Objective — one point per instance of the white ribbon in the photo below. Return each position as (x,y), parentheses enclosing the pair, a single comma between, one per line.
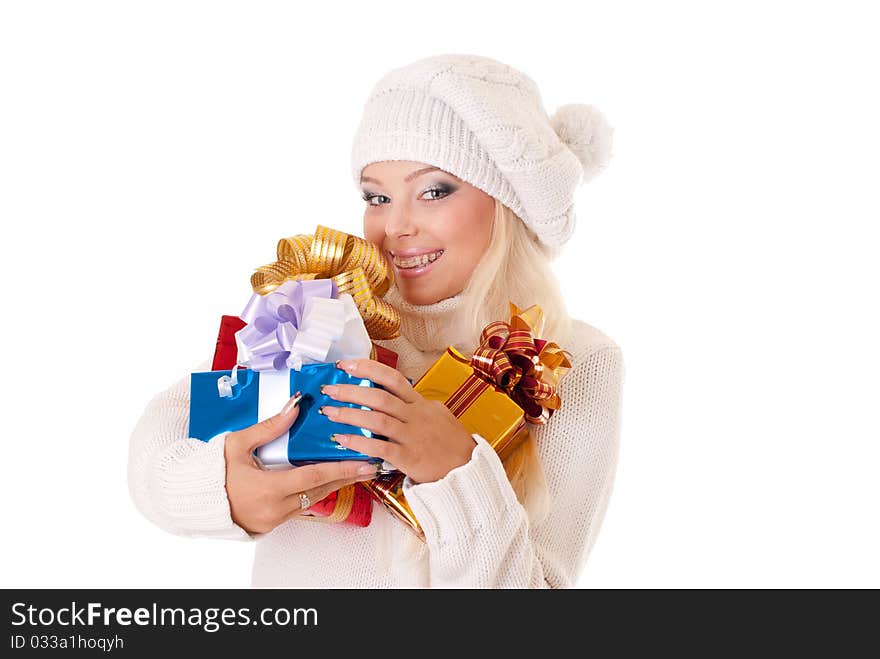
(330,329)
(274,393)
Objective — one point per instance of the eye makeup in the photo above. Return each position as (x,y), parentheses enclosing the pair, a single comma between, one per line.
(435,192)
(443,189)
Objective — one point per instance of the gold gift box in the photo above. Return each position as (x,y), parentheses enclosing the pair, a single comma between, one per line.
(480,406)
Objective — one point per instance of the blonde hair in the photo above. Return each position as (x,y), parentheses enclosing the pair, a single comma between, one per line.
(515,268)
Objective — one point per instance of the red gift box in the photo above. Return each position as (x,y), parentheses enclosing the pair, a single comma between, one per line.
(226,351)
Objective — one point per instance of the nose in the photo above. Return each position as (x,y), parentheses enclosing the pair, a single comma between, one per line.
(400,222)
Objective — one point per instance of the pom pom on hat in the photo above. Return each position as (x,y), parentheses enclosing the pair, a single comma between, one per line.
(584,130)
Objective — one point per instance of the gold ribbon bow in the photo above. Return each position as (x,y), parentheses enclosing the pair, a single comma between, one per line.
(528,369)
(354,264)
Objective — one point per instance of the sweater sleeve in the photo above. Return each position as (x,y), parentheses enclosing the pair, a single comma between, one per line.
(478,534)
(175,481)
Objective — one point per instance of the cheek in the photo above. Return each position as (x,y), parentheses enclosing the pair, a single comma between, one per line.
(471,226)
(467,241)
(460,224)
(374,231)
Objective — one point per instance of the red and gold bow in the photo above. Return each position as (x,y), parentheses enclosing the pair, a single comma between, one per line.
(527,368)
(355,265)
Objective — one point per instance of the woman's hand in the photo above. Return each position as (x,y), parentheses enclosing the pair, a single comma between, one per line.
(425,440)
(260,500)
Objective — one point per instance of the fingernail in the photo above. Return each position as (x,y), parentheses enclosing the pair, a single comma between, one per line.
(293,402)
(367,469)
(338,362)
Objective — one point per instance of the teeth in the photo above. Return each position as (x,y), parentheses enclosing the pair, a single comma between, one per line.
(415,261)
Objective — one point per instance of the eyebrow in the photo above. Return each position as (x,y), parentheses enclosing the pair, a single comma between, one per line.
(409,177)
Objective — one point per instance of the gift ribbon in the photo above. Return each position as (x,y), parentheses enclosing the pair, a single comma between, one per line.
(274,392)
(300,322)
(226,384)
(354,265)
(344,504)
(511,359)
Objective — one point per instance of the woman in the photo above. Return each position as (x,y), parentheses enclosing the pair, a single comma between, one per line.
(469,192)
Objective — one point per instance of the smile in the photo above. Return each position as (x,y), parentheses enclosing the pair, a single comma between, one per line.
(416,261)
(415,266)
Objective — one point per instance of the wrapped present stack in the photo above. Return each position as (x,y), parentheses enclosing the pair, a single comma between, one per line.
(320,301)
(510,382)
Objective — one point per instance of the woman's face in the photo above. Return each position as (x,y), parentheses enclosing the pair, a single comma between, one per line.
(415,212)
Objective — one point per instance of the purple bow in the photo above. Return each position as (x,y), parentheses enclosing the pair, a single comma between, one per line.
(273,320)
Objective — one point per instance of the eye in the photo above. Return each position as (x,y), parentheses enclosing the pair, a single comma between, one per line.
(368,197)
(434,193)
(440,190)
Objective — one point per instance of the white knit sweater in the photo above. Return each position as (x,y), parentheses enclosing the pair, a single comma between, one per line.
(477,533)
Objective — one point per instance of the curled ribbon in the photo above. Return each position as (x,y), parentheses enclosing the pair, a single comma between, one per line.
(528,369)
(226,384)
(354,265)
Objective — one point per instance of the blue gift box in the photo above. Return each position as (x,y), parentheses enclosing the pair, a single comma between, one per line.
(308,439)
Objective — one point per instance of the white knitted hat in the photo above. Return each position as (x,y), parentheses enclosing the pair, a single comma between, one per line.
(484,122)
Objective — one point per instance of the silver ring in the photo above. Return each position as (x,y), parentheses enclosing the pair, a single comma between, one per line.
(304,501)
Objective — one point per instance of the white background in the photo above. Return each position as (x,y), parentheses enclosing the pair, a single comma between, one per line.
(152,154)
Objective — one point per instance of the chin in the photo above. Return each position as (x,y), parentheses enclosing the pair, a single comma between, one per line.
(424,295)
(419,297)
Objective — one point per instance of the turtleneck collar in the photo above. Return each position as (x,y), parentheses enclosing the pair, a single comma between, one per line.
(427,327)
